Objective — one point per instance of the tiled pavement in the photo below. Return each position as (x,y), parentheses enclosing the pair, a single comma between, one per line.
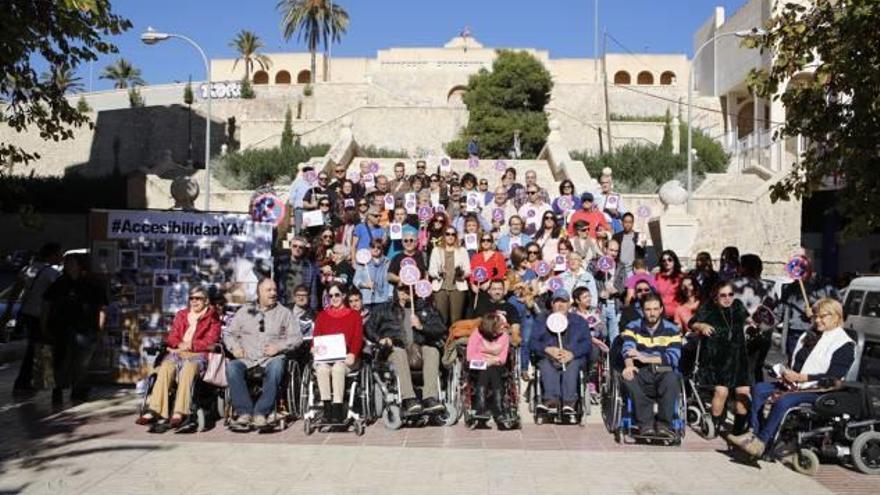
(96,448)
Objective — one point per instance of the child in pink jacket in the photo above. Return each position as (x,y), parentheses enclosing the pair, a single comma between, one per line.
(486,354)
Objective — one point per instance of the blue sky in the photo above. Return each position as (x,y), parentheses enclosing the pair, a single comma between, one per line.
(564,27)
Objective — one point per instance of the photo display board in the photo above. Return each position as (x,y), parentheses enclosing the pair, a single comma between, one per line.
(149,260)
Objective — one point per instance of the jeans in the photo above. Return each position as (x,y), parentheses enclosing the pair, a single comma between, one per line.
(31,327)
(525,329)
(612,319)
(761,392)
(236,377)
(559,384)
(71,360)
(649,386)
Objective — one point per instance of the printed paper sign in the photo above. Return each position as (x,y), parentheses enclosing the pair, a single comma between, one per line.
(425,213)
(554,284)
(389,202)
(477,364)
(354,176)
(310,176)
(473,162)
(500,165)
(395,231)
(797,267)
(374,167)
(644,211)
(560,264)
(565,203)
(185,226)
(349,203)
(439,209)
(542,268)
(329,347)
(473,200)
(445,165)
(369,181)
(313,218)
(470,242)
(268,208)
(612,202)
(435,199)
(515,243)
(408,261)
(606,264)
(498,215)
(557,323)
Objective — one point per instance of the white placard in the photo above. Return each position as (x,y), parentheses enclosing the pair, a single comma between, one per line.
(445,165)
(409,202)
(349,203)
(313,218)
(409,275)
(478,364)
(329,347)
(369,181)
(557,323)
(389,202)
(362,256)
(473,200)
(612,202)
(560,265)
(395,231)
(470,242)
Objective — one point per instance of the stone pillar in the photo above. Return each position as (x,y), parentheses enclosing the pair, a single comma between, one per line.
(676,135)
(674,228)
(758,129)
(777,151)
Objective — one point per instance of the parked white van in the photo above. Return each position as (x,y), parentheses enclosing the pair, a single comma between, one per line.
(861,309)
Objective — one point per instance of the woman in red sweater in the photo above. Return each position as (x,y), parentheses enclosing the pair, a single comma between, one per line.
(338,319)
(492,262)
(667,280)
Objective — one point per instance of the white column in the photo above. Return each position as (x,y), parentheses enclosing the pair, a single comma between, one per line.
(759,130)
(777,152)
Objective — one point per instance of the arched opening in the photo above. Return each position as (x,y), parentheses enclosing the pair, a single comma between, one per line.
(455,97)
(304,77)
(645,77)
(622,77)
(282,77)
(667,78)
(261,77)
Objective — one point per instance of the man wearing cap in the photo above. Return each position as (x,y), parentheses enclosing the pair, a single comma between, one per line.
(366,232)
(410,241)
(560,385)
(590,214)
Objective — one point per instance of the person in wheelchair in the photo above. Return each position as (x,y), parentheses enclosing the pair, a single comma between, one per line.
(633,311)
(258,337)
(194,331)
(401,332)
(651,348)
(487,354)
(560,366)
(338,318)
(820,357)
(496,304)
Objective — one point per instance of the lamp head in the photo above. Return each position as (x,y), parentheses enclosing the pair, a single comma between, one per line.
(748,33)
(151,36)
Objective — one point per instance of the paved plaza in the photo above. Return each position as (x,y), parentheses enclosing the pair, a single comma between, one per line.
(96,448)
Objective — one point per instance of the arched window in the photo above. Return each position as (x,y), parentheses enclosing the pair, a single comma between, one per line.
(622,77)
(667,78)
(455,97)
(282,77)
(645,77)
(261,77)
(304,77)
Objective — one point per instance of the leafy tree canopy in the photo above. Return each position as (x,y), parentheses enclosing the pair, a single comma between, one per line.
(837,107)
(63,34)
(509,98)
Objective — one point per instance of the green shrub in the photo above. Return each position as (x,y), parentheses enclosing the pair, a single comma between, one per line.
(377,152)
(82,106)
(249,169)
(135,100)
(247,91)
(643,168)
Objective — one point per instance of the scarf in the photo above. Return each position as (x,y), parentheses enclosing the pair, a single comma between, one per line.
(819,358)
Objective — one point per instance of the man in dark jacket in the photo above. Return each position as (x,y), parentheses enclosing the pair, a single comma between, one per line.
(398,327)
(561,384)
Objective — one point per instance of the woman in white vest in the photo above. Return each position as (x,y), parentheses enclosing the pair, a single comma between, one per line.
(824,355)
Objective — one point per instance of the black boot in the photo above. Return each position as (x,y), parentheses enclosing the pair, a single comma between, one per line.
(328,411)
(338,412)
(480,402)
(740,424)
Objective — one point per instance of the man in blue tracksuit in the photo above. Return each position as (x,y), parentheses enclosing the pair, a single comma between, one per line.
(558,384)
(651,351)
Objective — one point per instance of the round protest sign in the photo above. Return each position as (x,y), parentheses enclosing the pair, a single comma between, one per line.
(542,268)
(592,320)
(374,167)
(481,275)
(554,284)
(531,213)
(606,263)
(557,323)
(797,267)
(354,176)
(268,208)
(311,176)
(565,203)
(409,275)
(395,231)
(423,288)
(445,164)
(644,211)
(389,202)
(407,261)
(362,256)
(425,213)
(500,165)
(498,215)
(473,162)
(472,201)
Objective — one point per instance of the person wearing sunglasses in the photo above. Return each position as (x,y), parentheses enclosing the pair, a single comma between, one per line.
(821,357)
(667,280)
(449,269)
(633,310)
(259,336)
(337,318)
(410,240)
(366,232)
(724,361)
(372,278)
(194,332)
(491,261)
(338,179)
(571,201)
(534,209)
(548,235)
(640,273)
(514,237)
(421,171)
(590,214)
(436,227)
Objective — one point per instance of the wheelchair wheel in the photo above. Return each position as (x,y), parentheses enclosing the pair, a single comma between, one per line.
(378,403)
(450,417)
(391,417)
(806,462)
(308,427)
(293,392)
(707,426)
(359,428)
(694,416)
(866,452)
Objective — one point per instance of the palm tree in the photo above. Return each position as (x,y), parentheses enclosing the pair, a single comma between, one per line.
(63,78)
(316,22)
(123,74)
(246,43)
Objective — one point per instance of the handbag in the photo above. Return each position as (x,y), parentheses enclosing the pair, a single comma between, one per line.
(414,355)
(215,372)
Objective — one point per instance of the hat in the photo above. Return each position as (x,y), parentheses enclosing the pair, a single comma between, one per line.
(561,294)
(410,230)
(587,197)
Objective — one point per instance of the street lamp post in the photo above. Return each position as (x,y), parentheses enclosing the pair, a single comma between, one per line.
(151,37)
(691,83)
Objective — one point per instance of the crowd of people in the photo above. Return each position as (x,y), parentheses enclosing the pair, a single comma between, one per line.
(506,256)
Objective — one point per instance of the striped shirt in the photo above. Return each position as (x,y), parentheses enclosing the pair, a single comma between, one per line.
(664,341)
